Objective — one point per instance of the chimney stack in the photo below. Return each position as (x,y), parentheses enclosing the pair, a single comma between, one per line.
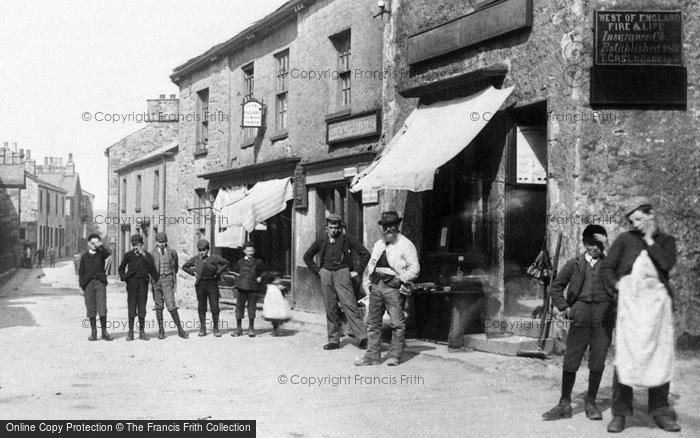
(14,146)
(172,96)
(6,145)
(28,154)
(21,154)
(70,165)
(46,161)
(162,96)
(70,157)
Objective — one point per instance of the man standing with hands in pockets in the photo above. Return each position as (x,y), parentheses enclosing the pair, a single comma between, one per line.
(334,266)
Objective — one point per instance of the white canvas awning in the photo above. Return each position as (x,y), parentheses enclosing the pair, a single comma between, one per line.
(264,200)
(431,136)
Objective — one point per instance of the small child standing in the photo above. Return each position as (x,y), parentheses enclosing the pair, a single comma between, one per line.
(275,307)
(249,270)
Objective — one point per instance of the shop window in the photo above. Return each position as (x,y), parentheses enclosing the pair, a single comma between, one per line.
(202,133)
(341,41)
(282,103)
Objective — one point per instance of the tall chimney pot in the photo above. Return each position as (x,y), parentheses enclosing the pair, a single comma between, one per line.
(162,96)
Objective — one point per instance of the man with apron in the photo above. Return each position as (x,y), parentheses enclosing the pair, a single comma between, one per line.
(638,266)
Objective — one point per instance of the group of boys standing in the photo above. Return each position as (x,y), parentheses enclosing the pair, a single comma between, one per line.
(140,268)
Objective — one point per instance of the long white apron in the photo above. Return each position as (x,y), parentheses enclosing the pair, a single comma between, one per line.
(645,353)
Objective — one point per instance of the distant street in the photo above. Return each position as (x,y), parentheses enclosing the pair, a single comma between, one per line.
(289,385)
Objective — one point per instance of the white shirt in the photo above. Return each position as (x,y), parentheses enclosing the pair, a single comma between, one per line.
(401,255)
(591,261)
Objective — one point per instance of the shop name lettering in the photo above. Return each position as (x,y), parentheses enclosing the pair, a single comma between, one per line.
(351,128)
(639,38)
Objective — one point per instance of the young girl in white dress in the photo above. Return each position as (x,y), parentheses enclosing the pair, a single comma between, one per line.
(276,308)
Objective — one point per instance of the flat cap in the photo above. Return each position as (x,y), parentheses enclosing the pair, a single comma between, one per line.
(334,218)
(136,238)
(635,203)
(161,237)
(202,245)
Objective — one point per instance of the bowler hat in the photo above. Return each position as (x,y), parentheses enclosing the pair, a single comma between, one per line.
(161,237)
(390,218)
(202,245)
(635,203)
(334,218)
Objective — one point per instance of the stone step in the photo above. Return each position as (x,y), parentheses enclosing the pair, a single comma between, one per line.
(522,326)
(507,346)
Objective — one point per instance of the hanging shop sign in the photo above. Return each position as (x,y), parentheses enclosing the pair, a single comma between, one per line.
(252,114)
(301,192)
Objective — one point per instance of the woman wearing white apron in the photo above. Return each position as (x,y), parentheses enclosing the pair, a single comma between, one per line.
(637,265)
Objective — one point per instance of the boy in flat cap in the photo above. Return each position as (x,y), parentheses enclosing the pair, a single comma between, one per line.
(590,306)
(166,262)
(335,267)
(137,270)
(207,269)
(638,266)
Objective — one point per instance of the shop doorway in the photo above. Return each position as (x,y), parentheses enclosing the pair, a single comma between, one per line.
(273,241)
(525,208)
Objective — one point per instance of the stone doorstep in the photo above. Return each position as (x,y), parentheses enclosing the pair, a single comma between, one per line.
(508,346)
(518,326)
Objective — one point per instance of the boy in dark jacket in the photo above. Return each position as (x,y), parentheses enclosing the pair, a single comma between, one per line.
(93,281)
(590,308)
(137,269)
(207,269)
(249,270)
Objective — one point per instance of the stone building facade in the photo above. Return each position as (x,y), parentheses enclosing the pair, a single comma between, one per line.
(55,172)
(307,63)
(12,182)
(594,156)
(43,219)
(159,132)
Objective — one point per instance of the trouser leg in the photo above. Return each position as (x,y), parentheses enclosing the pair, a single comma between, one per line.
(241,300)
(394,304)
(252,301)
(90,298)
(375,313)
(658,400)
(346,296)
(623,396)
(330,301)
(579,336)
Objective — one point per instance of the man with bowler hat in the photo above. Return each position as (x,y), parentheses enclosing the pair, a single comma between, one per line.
(335,268)
(391,269)
(590,306)
(207,269)
(137,269)
(166,263)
